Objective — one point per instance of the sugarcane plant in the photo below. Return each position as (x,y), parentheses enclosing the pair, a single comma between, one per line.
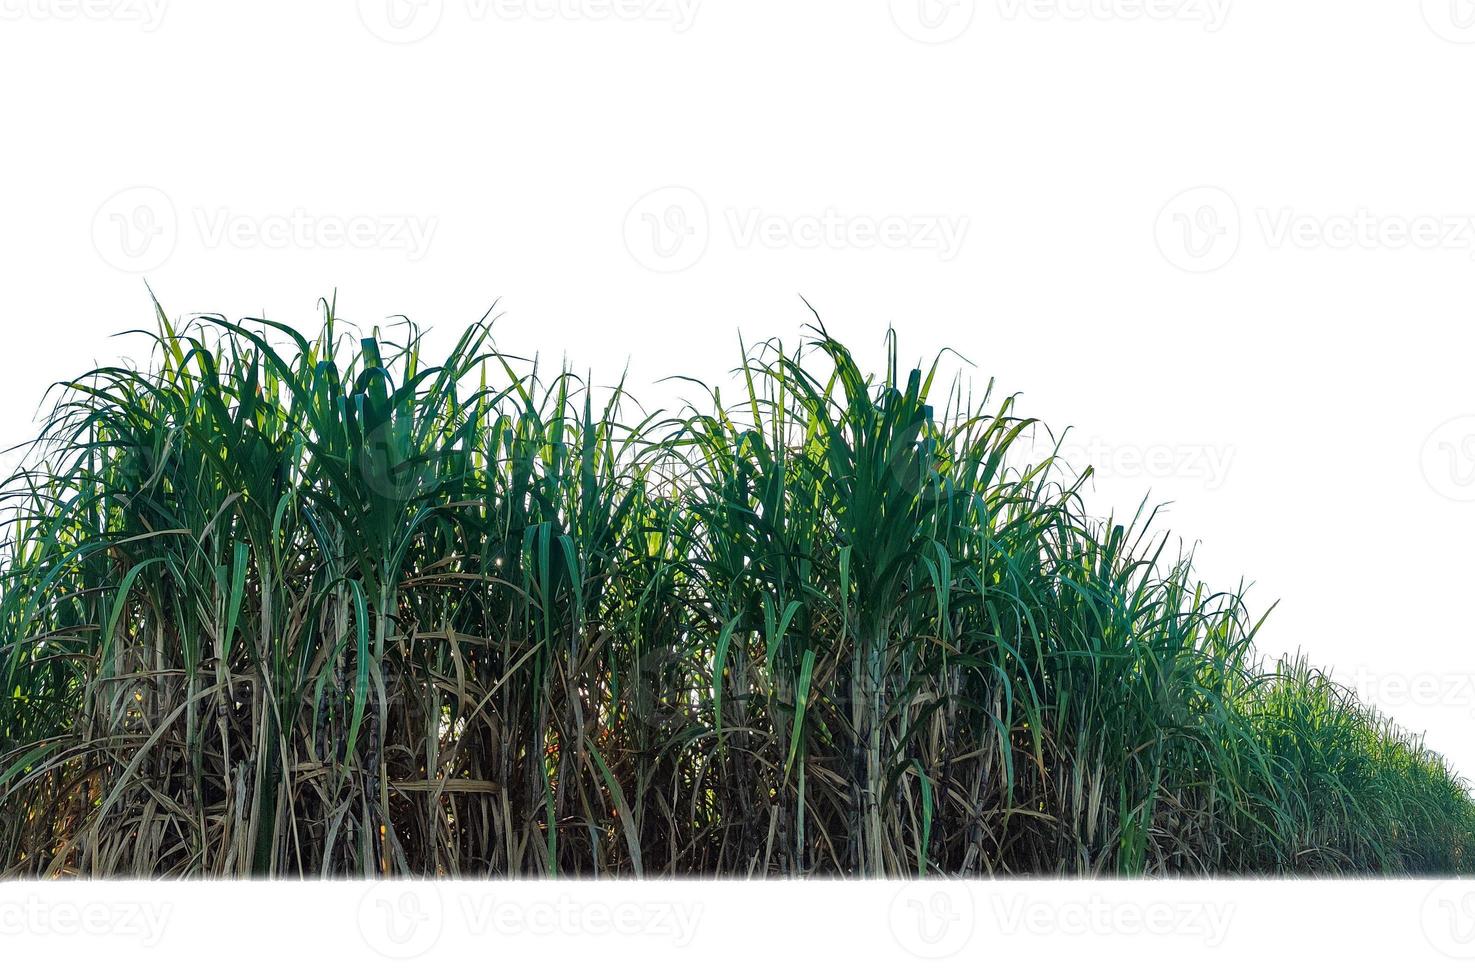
(305,605)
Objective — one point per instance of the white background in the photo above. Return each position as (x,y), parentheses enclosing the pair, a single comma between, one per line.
(1230,242)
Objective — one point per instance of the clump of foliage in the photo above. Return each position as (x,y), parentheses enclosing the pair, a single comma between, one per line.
(292,606)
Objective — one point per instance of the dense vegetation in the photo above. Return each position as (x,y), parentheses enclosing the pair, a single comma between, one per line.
(292,606)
